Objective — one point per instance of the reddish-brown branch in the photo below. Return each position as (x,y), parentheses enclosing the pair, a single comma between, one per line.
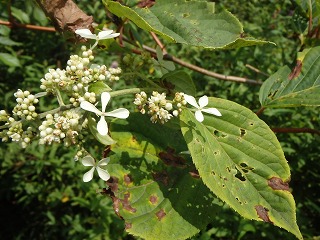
(27,26)
(295,130)
(196,68)
(157,40)
(260,111)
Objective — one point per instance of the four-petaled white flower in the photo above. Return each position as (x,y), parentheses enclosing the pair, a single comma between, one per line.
(203,101)
(86,33)
(88,161)
(102,125)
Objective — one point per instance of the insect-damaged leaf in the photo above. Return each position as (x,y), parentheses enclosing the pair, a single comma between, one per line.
(157,199)
(238,157)
(188,22)
(297,87)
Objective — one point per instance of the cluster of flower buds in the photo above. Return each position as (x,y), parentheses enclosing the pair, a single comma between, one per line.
(62,127)
(77,76)
(16,133)
(25,108)
(158,107)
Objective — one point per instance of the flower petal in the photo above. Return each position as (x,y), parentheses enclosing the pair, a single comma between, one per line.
(88,175)
(118,113)
(107,34)
(191,100)
(103,174)
(102,126)
(86,33)
(203,101)
(104,161)
(88,161)
(213,111)
(199,116)
(105,97)
(90,107)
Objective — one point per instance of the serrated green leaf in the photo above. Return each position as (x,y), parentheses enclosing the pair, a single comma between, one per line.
(99,87)
(104,139)
(239,158)
(301,87)
(182,82)
(187,22)
(156,201)
(9,60)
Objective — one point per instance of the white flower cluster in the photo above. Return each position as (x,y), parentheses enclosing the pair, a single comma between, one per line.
(25,108)
(17,134)
(159,108)
(64,127)
(74,80)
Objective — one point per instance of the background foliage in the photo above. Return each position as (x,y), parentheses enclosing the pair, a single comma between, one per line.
(42,195)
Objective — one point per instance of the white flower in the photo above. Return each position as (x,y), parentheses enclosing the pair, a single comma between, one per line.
(203,101)
(102,125)
(86,33)
(88,161)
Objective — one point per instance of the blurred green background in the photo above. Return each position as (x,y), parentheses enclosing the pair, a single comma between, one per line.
(42,195)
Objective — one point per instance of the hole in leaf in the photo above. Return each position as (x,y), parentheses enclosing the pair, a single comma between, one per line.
(239,176)
(242,132)
(238,200)
(245,168)
(251,123)
(213,173)
(217,133)
(228,169)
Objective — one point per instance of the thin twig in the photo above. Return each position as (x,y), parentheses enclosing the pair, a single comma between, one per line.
(310,18)
(196,68)
(157,40)
(260,111)
(295,130)
(256,70)
(27,26)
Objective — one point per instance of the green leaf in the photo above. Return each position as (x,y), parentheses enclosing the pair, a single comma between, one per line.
(156,200)
(301,87)
(182,82)
(39,15)
(240,159)
(8,42)
(99,87)
(20,15)
(187,22)
(104,139)
(9,60)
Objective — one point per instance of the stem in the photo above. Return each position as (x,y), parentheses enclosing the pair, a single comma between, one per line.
(59,97)
(256,70)
(196,68)
(260,111)
(27,26)
(157,40)
(310,18)
(129,91)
